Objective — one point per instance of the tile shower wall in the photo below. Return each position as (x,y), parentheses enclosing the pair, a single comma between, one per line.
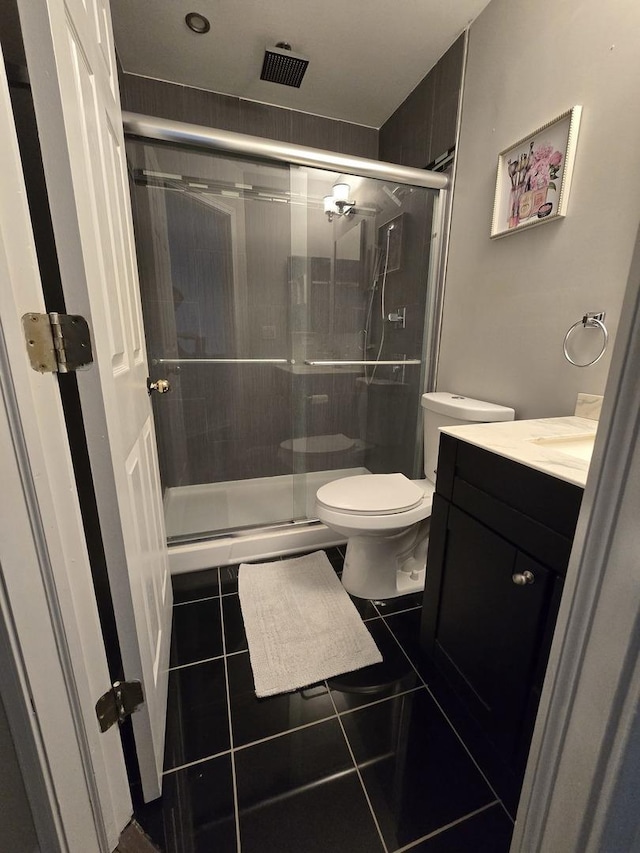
(183,103)
(420,130)
(424,125)
(393,393)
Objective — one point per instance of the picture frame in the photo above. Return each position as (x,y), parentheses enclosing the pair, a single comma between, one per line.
(534,176)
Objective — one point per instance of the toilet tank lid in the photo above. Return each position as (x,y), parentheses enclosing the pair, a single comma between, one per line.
(466,408)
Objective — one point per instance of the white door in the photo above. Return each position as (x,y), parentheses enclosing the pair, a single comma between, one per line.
(72,70)
(52,659)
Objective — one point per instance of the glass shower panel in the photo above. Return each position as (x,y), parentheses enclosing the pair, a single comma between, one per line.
(213,236)
(292,337)
(358,289)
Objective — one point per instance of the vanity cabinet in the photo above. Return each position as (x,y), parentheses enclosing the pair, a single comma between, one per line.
(501,535)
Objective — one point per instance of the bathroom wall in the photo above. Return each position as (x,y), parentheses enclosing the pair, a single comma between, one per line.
(197,106)
(509,302)
(17,830)
(393,392)
(424,125)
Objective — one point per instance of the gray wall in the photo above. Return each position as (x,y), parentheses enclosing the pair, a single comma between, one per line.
(197,106)
(16,824)
(509,302)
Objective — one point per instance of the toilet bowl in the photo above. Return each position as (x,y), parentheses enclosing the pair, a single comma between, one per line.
(385,517)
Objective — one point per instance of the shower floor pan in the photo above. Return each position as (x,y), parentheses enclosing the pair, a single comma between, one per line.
(245,519)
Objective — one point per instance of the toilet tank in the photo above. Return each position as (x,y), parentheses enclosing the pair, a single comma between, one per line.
(441,408)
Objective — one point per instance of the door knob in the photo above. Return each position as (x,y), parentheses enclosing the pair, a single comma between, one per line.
(523,578)
(161,386)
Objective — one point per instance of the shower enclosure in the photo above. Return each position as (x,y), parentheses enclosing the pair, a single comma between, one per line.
(291,330)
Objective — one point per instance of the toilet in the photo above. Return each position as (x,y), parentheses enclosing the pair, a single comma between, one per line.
(385,517)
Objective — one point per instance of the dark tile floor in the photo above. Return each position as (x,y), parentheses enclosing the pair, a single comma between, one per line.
(362,762)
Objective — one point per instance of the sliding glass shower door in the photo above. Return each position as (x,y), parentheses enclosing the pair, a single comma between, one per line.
(267,317)
(213,239)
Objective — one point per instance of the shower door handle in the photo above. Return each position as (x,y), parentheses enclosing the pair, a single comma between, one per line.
(160,386)
(222,361)
(337,363)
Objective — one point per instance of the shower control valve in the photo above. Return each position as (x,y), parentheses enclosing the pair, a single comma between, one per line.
(398,316)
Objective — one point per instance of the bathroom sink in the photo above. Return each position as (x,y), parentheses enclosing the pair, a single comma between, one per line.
(579,446)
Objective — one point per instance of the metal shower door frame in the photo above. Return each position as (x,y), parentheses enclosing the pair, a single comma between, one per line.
(143,127)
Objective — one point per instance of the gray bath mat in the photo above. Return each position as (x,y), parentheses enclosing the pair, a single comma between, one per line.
(301,625)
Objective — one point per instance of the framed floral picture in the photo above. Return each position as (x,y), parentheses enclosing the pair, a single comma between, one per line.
(534,176)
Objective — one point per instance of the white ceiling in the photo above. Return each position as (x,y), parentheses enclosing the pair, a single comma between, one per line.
(365,56)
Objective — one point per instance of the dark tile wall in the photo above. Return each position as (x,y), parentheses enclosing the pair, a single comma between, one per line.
(424,125)
(393,397)
(183,103)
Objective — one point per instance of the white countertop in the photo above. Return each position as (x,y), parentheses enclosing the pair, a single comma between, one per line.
(517,440)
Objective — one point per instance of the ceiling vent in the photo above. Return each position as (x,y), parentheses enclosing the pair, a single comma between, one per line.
(282,66)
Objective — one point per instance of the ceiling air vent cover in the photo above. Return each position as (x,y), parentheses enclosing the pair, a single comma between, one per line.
(282,66)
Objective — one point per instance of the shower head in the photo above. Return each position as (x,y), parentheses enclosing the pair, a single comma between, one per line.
(282,66)
(397,193)
(391,194)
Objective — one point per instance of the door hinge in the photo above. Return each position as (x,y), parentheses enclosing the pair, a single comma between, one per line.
(119,702)
(57,343)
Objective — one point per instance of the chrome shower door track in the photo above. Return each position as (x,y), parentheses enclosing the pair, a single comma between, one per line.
(165,130)
(240,532)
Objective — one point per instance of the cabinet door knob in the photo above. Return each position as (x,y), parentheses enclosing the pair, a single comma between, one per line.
(523,578)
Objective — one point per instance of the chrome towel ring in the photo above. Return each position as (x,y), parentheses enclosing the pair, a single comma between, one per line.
(589,321)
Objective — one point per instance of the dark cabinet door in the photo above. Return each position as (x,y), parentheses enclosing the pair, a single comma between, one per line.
(488,628)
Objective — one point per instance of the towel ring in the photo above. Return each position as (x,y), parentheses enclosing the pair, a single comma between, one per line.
(592,321)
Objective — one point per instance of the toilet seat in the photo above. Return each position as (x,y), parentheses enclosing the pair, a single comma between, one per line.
(381,522)
(371,494)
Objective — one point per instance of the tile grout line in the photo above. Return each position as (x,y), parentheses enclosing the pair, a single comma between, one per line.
(442,829)
(380,701)
(396,612)
(244,746)
(196,600)
(194,663)
(236,815)
(195,762)
(468,751)
(450,724)
(357,769)
(275,736)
